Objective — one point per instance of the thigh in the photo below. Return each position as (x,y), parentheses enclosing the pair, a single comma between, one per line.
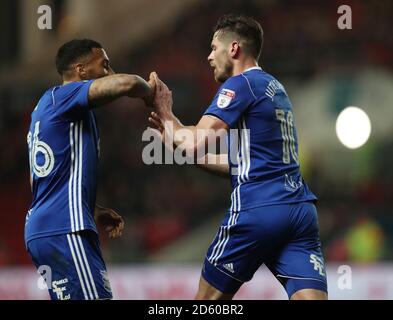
(73,266)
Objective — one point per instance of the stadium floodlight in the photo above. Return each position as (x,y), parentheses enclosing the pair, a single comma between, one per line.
(353,127)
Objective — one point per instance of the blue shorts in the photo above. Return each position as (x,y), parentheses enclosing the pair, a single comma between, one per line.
(72,266)
(283,237)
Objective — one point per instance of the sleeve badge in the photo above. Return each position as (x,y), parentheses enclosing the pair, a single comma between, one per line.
(224,98)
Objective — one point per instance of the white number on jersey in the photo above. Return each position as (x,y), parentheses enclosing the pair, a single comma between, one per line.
(35,147)
(287,129)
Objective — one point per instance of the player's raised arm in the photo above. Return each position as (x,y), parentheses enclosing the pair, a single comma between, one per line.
(193,140)
(84,60)
(216,164)
(111,87)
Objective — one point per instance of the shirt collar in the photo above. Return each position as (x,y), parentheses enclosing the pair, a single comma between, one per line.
(253,68)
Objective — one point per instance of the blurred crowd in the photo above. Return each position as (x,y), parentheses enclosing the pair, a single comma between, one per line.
(161,203)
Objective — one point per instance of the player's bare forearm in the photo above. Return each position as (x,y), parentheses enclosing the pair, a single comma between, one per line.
(109,88)
(170,134)
(193,140)
(186,138)
(181,136)
(195,144)
(216,164)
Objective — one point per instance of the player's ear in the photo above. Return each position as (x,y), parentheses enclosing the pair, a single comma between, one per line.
(80,70)
(235,49)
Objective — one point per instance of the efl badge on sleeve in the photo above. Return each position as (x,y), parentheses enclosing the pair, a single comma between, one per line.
(224,98)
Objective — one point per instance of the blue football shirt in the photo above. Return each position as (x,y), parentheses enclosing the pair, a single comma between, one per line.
(262,143)
(63,142)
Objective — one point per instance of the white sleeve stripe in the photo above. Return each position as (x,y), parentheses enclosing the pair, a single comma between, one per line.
(53,96)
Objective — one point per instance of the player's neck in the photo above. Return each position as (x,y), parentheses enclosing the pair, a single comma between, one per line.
(69,80)
(240,66)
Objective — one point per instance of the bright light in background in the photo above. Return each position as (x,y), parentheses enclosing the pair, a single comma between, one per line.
(353,127)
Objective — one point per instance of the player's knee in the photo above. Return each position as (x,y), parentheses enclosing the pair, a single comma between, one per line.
(309,294)
(210,295)
(208,292)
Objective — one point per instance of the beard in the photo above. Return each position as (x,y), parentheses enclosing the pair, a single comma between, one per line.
(226,73)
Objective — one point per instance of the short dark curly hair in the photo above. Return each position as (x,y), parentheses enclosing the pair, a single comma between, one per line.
(248,29)
(71,51)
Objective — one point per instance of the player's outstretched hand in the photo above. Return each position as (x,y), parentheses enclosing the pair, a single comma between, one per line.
(110,220)
(162,99)
(155,120)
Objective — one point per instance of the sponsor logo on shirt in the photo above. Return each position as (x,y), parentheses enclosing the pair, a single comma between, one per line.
(59,287)
(318,264)
(291,185)
(229,267)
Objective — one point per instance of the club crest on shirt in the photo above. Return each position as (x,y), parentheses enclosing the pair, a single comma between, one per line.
(105,280)
(224,98)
